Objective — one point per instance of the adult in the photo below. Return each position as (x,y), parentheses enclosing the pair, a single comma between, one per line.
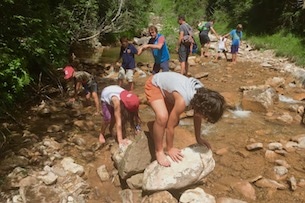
(204,38)
(159,49)
(119,106)
(169,94)
(236,35)
(85,79)
(183,46)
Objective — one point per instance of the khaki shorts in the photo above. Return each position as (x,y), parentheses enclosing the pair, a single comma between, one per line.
(126,74)
(152,92)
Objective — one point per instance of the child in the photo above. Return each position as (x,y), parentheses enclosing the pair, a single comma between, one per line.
(222,47)
(236,35)
(83,78)
(118,107)
(127,53)
(169,93)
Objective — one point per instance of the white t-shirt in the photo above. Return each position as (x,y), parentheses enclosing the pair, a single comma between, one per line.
(221,43)
(172,81)
(110,91)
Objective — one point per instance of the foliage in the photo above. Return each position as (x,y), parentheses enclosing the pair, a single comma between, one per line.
(284,44)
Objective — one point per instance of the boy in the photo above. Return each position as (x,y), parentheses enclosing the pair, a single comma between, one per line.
(83,78)
(236,35)
(169,93)
(127,53)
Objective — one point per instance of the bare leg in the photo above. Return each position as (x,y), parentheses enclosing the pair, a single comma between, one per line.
(183,66)
(159,126)
(207,49)
(202,50)
(131,86)
(102,133)
(120,82)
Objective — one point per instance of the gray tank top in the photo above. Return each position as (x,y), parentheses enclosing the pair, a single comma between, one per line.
(172,81)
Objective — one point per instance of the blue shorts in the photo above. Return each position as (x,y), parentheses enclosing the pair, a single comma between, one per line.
(234,49)
(90,87)
(157,67)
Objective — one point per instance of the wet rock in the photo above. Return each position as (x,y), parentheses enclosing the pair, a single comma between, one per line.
(197,163)
(285,118)
(196,195)
(258,100)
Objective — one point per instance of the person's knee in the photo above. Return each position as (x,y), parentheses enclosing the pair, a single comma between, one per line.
(161,119)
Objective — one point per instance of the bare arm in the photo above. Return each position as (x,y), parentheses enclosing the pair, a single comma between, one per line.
(212,29)
(197,127)
(159,45)
(77,87)
(180,38)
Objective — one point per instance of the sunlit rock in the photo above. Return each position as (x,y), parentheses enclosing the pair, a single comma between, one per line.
(196,195)
(161,197)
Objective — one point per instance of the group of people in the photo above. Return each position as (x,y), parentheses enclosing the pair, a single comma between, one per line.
(235,34)
(168,94)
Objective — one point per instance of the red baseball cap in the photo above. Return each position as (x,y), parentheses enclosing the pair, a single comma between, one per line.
(69,70)
(130,100)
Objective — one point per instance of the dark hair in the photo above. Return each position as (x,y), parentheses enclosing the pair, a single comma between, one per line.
(208,103)
(181,17)
(128,117)
(123,39)
(154,28)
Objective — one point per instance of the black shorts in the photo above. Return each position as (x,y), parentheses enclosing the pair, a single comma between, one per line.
(204,39)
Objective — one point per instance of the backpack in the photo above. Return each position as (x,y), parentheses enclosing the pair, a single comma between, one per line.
(201,26)
(188,38)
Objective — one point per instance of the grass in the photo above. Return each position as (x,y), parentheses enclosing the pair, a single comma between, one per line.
(286,45)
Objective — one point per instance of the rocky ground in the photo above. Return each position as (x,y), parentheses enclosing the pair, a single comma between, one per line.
(258,146)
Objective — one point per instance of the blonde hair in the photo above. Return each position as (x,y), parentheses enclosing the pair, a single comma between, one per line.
(239,27)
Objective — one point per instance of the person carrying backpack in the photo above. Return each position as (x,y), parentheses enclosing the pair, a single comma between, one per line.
(184,43)
(205,28)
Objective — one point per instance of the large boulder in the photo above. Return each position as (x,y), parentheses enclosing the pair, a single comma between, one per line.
(196,164)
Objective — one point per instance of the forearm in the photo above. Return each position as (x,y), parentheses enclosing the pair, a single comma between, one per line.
(77,88)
